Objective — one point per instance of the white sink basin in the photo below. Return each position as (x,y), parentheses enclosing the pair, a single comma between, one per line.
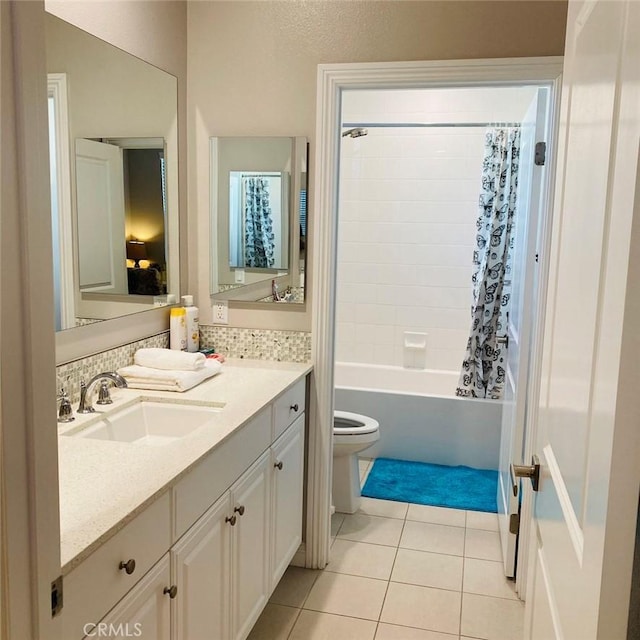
(151,423)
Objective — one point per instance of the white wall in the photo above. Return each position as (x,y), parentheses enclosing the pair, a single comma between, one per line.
(408,208)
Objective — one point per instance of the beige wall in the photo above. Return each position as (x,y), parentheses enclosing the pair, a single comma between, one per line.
(252,71)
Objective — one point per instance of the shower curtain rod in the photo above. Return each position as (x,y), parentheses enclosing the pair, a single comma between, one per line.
(399,125)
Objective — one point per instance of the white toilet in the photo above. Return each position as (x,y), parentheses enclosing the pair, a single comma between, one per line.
(352,433)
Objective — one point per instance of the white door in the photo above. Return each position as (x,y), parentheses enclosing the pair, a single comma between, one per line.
(287,465)
(144,612)
(519,325)
(201,569)
(250,547)
(100,207)
(584,520)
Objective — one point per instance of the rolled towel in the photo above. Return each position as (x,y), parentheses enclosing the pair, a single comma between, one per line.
(169,359)
(138,377)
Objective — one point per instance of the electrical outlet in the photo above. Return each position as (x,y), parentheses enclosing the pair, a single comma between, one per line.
(239,276)
(221,312)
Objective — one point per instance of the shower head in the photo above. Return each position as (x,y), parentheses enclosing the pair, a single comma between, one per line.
(355,133)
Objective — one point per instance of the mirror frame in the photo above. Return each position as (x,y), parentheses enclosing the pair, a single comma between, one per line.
(80,342)
(299,158)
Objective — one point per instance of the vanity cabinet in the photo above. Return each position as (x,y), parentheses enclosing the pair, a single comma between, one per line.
(145,612)
(287,468)
(235,521)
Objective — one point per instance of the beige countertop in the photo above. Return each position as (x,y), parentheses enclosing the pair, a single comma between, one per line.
(104,484)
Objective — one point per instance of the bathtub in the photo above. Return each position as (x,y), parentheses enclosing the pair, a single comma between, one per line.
(420,417)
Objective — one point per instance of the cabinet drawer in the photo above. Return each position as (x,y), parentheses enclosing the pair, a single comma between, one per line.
(197,491)
(288,407)
(97,584)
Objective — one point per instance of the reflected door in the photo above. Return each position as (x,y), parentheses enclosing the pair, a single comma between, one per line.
(100,205)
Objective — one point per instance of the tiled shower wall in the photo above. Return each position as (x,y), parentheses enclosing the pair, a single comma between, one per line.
(407,214)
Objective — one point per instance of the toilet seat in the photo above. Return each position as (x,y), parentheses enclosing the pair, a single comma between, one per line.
(353,424)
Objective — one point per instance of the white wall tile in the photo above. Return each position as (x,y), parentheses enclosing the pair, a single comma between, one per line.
(407,221)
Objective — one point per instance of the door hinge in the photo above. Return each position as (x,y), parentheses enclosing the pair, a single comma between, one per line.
(514,523)
(56,596)
(540,156)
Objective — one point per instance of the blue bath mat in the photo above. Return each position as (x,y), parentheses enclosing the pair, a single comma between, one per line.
(432,484)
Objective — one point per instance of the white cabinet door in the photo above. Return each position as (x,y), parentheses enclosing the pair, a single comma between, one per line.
(200,564)
(144,612)
(250,547)
(287,469)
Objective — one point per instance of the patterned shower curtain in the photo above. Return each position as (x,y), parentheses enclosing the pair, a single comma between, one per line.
(259,239)
(483,370)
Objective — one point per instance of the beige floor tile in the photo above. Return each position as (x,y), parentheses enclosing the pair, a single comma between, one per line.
(360,527)
(294,586)
(491,618)
(481,520)
(346,595)
(436,538)
(336,522)
(422,607)
(275,623)
(361,559)
(484,545)
(487,578)
(437,515)
(312,625)
(428,569)
(383,508)
(396,632)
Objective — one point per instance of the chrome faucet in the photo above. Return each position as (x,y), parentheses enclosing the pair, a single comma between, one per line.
(85,405)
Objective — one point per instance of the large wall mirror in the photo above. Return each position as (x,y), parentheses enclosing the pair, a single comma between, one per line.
(114,179)
(259,219)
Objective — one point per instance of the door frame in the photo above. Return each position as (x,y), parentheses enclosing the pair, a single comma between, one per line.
(332,80)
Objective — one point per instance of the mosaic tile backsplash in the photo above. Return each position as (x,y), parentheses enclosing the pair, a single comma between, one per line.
(70,373)
(258,344)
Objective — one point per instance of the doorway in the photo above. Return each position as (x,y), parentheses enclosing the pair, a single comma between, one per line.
(333,82)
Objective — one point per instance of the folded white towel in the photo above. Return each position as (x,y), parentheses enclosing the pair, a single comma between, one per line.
(169,359)
(138,377)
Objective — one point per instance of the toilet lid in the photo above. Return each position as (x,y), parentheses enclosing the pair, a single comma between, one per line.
(347,423)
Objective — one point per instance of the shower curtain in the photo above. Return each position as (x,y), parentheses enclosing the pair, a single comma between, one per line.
(483,370)
(259,239)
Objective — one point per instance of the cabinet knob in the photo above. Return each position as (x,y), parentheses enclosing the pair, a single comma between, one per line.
(171,591)
(239,510)
(294,407)
(129,566)
(231,520)
(278,465)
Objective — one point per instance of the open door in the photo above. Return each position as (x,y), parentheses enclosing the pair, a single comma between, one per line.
(584,520)
(517,342)
(102,257)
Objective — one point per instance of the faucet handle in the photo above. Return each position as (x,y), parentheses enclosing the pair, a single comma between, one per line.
(104,397)
(65,412)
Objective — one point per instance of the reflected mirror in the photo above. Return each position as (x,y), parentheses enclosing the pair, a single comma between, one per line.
(114,179)
(258,219)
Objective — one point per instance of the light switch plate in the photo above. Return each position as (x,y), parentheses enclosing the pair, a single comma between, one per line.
(221,312)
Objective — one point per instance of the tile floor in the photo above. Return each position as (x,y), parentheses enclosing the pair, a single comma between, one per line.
(399,571)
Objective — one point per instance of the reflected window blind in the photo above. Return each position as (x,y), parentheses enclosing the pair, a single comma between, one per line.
(303,212)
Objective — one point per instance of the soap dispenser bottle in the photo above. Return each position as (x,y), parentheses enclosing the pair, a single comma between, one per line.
(193,330)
